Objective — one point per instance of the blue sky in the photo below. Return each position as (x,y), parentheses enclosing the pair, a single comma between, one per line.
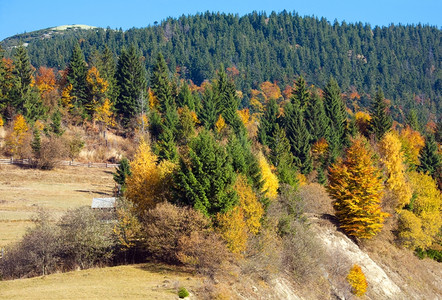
(18,16)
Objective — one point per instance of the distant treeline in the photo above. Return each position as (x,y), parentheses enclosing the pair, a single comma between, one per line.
(404,61)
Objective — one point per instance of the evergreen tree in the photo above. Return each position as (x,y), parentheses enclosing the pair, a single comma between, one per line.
(337,116)
(267,124)
(56,123)
(22,95)
(122,172)
(228,101)
(210,109)
(131,80)
(412,120)
(76,76)
(36,143)
(316,119)
(381,121)
(282,158)
(108,70)
(161,85)
(185,98)
(205,179)
(429,159)
(301,93)
(298,136)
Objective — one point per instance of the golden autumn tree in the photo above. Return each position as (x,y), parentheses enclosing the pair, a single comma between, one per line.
(1,121)
(248,202)
(412,142)
(356,188)
(422,222)
(393,160)
(233,229)
(150,182)
(15,141)
(220,124)
(270,180)
(104,114)
(356,278)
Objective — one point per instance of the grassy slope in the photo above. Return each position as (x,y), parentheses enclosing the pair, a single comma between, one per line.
(23,191)
(145,281)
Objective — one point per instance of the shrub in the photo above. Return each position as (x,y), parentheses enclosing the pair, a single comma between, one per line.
(204,251)
(183,293)
(51,151)
(165,225)
(36,253)
(87,238)
(357,280)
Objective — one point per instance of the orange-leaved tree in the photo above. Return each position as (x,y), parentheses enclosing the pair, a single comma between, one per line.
(150,182)
(356,187)
(357,280)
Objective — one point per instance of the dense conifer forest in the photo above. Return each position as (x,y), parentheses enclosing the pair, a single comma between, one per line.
(403,60)
(217,123)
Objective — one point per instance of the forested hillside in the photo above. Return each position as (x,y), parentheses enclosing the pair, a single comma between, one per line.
(243,145)
(405,61)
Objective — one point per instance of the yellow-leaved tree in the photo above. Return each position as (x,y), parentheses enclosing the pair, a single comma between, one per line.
(356,188)
(421,223)
(270,180)
(220,124)
(357,280)
(233,229)
(412,142)
(248,202)
(235,225)
(104,114)
(393,160)
(15,141)
(150,182)
(1,121)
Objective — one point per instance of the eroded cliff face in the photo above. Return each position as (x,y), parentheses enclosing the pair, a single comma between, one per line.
(387,278)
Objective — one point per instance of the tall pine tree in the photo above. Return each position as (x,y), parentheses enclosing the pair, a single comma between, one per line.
(131,80)
(429,159)
(381,120)
(76,76)
(267,124)
(298,136)
(337,116)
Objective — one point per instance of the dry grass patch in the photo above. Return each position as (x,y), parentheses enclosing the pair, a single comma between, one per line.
(23,191)
(146,281)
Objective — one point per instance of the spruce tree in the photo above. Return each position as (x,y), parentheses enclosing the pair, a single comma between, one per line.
(210,109)
(337,117)
(429,159)
(131,80)
(76,76)
(36,143)
(282,158)
(316,119)
(228,101)
(381,121)
(412,120)
(122,172)
(206,177)
(161,85)
(185,98)
(267,124)
(108,70)
(298,136)
(301,94)
(22,96)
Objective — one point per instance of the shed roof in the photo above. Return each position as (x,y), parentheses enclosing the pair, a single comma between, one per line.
(103,202)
